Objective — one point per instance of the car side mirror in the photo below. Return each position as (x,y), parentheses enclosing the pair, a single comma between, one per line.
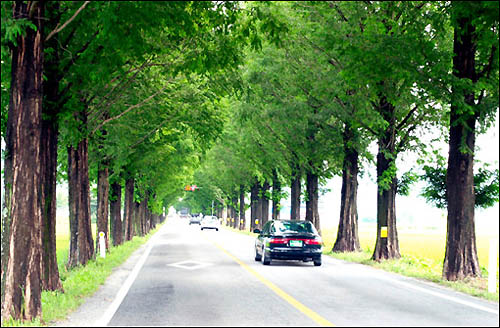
(257,231)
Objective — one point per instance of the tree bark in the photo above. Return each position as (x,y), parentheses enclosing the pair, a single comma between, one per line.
(128,223)
(236,222)
(81,241)
(137,219)
(312,212)
(347,235)
(48,157)
(102,204)
(265,202)
(461,254)
(229,211)
(21,288)
(241,224)
(254,205)
(387,245)
(276,195)
(115,214)
(295,196)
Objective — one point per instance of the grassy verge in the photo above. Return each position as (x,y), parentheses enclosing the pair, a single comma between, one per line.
(79,282)
(422,255)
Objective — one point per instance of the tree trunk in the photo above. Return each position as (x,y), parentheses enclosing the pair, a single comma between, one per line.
(81,242)
(254,202)
(136,219)
(48,157)
(387,245)
(21,292)
(229,215)
(115,211)
(146,216)
(276,195)
(241,224)
(312,212)
(461,254)
(128,223)
(347,235)
(102,205)
(235,214)
(265,202)
(295,196)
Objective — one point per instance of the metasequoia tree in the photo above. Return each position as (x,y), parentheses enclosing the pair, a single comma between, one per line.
(22,215)
(474,99)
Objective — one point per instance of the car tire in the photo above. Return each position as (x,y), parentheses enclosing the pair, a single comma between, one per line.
(201,229)
(317,262)
(216,229)
(265,259)
(257,256)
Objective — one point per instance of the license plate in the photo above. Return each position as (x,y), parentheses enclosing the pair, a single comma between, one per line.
(295,243)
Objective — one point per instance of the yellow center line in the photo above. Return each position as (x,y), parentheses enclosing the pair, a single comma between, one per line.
(280,292)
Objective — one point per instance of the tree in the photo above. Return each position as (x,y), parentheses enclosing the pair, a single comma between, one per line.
(22,215)
(474,97)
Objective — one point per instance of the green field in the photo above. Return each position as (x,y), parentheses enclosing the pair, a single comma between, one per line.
(423,244)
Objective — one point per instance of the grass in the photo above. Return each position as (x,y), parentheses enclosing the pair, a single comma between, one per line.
(422,257)
(79,282)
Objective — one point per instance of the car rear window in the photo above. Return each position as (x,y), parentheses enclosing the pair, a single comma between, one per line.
(294,227)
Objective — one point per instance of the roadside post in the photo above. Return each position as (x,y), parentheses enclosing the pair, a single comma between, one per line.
(102,245)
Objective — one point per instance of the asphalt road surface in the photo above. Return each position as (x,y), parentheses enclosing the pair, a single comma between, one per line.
(188,277)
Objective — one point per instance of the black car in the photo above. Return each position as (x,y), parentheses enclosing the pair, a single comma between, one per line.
(288,240)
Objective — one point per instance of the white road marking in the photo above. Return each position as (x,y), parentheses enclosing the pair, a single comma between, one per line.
(449,298)
(111,310)
(190,265)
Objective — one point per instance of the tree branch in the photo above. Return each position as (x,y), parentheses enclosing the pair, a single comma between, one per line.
(129,109)
(79,52)
(407,117)
(487,69)
(57,30)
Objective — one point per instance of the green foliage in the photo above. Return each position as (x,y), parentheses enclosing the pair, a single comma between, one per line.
(435,191)
(405,182)
(486,186)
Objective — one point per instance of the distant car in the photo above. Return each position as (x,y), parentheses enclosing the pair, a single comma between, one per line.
(195,220)
(210,222)
(288,240)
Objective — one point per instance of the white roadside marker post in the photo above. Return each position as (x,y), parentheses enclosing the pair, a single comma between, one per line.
(492,266)
(102,245)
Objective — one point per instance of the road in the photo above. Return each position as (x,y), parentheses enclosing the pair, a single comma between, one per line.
(188,277)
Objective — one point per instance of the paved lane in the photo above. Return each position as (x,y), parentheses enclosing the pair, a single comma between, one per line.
(209,278)
(187,281)
(349,294)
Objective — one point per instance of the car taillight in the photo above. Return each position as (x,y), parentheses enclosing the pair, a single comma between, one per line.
(313,241)
(278,241)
